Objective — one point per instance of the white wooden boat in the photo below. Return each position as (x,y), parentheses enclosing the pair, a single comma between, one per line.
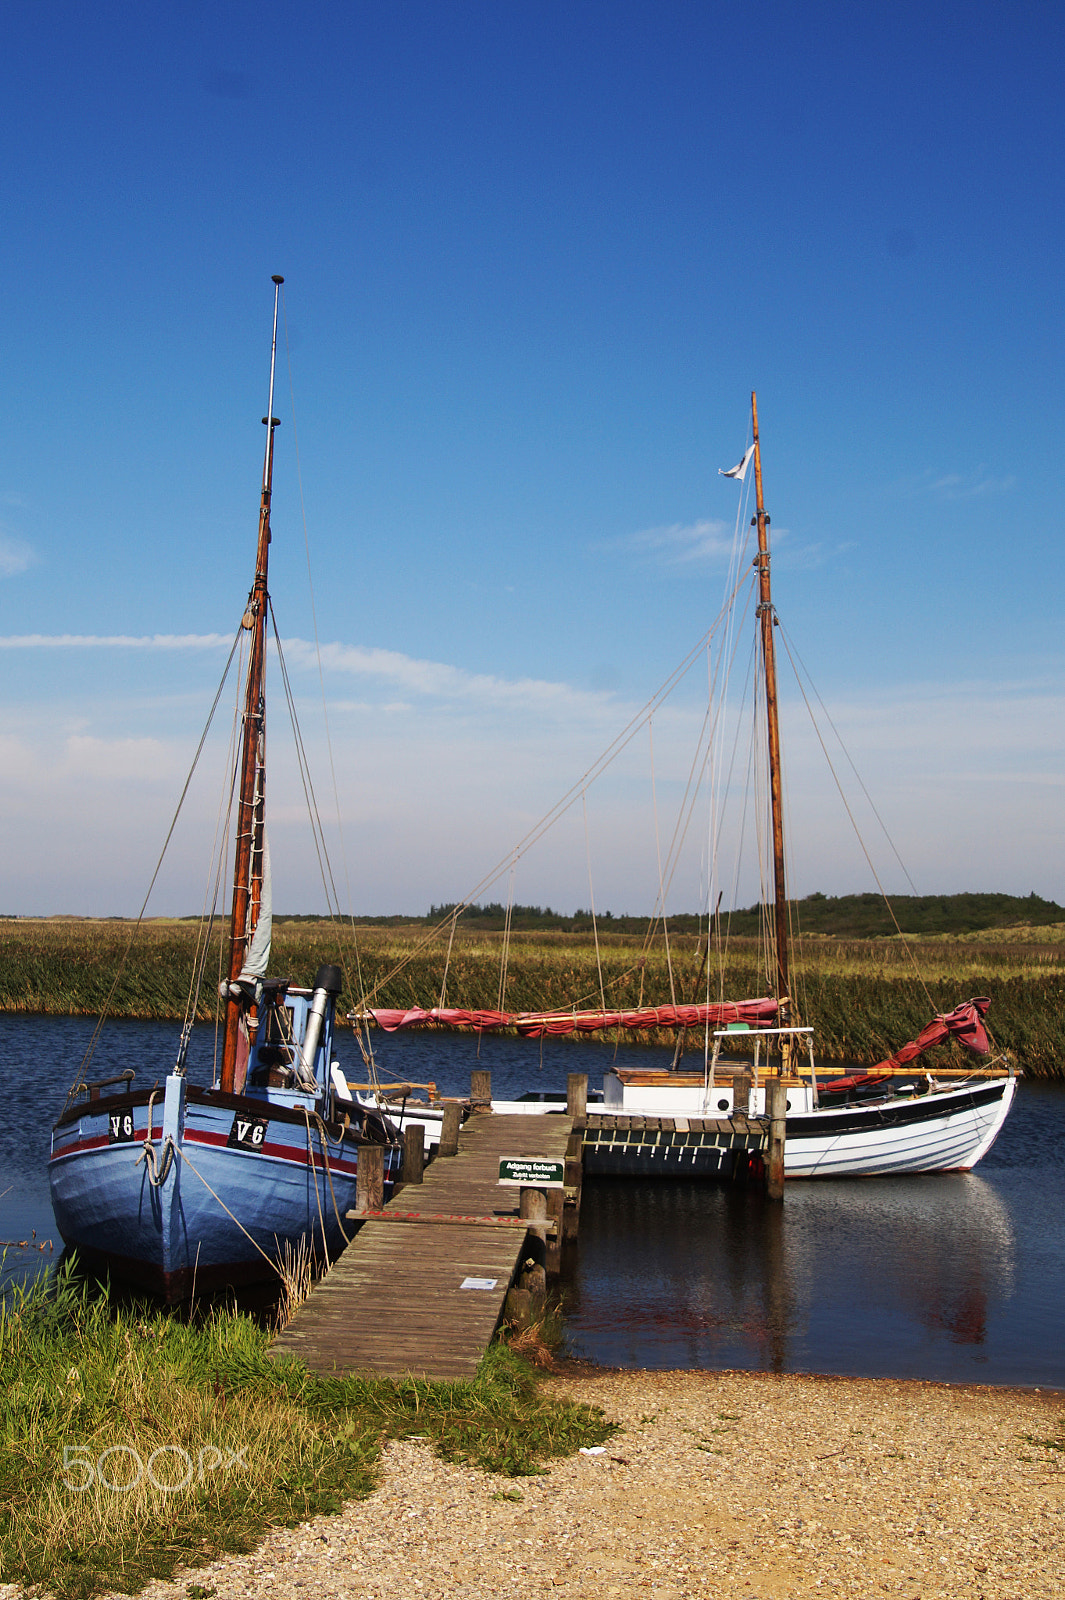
(898,1118)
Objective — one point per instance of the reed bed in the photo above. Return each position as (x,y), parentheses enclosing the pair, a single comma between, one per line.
(864,997)
(132,1442)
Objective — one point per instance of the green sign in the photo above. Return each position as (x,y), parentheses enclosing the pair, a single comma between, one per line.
(532,1172)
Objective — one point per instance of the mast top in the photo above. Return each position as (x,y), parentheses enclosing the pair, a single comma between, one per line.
(276,279)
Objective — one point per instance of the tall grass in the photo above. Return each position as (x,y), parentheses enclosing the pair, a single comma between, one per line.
(862,996)
(131,1442)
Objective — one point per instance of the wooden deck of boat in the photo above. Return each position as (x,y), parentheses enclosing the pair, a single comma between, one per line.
(394,1303)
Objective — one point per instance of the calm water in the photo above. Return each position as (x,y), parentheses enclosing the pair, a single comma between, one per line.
(959,1277)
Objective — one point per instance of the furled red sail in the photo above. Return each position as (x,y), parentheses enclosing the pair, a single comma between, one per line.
(965,1023)
(754,1013)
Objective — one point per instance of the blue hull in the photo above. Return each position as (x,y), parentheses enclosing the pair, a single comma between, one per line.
(231,1179)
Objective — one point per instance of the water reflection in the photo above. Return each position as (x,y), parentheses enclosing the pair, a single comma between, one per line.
(850,1275)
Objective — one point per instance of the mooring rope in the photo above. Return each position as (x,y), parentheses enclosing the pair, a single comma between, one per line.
(323,1136)
(156,1176)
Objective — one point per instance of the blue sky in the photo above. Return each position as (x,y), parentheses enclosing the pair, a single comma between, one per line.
(536,258)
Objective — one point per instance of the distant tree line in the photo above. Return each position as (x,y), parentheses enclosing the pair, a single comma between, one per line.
(855,916)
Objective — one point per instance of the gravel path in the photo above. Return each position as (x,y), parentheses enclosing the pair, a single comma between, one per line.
(719,1484)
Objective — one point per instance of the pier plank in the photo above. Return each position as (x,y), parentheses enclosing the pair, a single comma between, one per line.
(394,1303)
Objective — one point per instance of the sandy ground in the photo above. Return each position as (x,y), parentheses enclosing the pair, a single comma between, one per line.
(719,1484)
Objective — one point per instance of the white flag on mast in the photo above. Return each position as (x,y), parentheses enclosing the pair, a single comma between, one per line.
(740,469)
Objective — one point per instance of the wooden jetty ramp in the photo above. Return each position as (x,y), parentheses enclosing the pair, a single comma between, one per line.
(410,1296)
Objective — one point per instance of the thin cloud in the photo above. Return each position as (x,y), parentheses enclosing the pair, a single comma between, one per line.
(439,681)
(961,486)
(434,680)
(113,641)
(681,542)
(15,556)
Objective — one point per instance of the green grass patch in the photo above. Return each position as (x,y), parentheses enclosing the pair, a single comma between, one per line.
(132,1442)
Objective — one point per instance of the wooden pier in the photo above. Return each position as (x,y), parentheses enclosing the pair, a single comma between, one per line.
(421,1288)
(423,1285)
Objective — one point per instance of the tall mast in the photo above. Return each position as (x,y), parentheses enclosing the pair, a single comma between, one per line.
(247,866)
(767,620)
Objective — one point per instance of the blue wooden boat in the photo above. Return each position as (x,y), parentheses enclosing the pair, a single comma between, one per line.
(170,1185)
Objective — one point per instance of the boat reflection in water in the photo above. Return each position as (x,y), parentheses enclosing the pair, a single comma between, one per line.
(893,1278)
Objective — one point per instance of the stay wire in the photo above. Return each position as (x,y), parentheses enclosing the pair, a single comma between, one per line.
(591,899)
(620,742)
(794,656)
(854,824)
(367,1049)
(95,1036)
(218,856)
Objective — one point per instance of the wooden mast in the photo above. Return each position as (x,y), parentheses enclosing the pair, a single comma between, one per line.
(247,866)
(767,620)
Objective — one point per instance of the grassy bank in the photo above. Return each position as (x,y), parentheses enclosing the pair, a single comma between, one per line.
(133,1443)
(862,996)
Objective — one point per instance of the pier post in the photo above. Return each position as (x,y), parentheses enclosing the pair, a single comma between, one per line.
(370,1178)
(776,1094)
(449,1130)
(532,1208)
(525,1301)
(741,1094)
(577,1094)
(556,1211)
(414,1152)
(574,1175)
(481,1090)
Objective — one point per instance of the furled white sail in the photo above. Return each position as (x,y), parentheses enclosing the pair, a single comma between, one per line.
(258,958)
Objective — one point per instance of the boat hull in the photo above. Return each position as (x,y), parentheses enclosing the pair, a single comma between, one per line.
(230,1181)
(944,1130)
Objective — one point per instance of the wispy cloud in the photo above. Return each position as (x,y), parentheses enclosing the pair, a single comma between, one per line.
(706,540)
(433,680)
(440,681)
(113,641)
(974,485)
(15,556)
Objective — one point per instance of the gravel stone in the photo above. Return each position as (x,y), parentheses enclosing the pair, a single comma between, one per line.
(720,1484)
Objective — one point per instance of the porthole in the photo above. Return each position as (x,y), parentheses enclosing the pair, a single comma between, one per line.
(789,1105)
(722,1105)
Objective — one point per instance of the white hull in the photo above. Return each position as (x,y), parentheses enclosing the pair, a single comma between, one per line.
(945,1130)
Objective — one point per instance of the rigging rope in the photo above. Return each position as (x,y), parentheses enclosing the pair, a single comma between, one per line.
(94,1038)
(447,959)
(658,853)
(620,742)
(317,831)
(367,1049)
(853,821)
(504,957)
(591,897)
(219,856)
